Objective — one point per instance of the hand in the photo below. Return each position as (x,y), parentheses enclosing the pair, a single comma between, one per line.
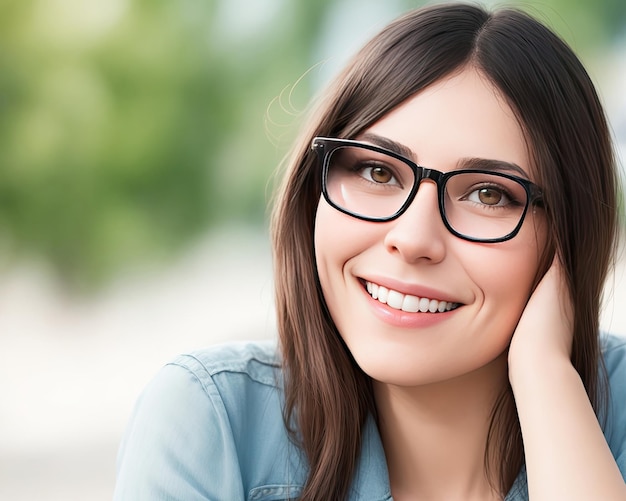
(545,330)
(566,453)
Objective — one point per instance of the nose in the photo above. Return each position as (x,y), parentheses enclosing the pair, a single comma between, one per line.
(419,233)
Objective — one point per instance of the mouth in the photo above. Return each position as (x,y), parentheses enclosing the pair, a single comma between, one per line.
(407,302)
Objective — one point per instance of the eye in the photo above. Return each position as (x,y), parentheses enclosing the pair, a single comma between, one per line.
(379,174)
(489,195)
(484,191)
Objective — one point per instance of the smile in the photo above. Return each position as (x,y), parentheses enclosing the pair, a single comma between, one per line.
(406,302)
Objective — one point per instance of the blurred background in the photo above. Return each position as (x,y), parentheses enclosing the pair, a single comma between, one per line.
(138,143)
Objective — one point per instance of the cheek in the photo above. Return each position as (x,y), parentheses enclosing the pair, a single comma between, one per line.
(330,252)
(338,238)
(325,234)
(505,276)
(325,243)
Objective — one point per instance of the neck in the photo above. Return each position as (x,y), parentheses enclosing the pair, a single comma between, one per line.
(435,435)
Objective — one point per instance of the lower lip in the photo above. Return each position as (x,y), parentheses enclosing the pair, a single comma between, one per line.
(406,319)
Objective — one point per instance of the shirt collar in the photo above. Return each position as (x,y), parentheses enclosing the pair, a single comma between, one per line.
(371,480)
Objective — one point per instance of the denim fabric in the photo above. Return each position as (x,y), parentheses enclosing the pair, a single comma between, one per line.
(210,427)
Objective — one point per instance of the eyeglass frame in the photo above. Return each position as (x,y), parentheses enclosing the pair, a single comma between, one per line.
(319,144)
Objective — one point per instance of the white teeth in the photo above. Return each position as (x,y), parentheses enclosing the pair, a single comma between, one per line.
(395,299)
(408,303)
(411,304)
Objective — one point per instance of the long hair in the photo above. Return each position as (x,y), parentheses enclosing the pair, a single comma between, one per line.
(327,396)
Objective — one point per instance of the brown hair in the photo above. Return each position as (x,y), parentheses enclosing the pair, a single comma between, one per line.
(328,397)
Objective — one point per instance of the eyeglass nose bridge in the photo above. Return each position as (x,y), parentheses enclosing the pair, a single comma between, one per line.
(422,174)
(426,173)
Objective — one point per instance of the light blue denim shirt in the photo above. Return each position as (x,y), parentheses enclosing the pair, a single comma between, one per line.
(210,427)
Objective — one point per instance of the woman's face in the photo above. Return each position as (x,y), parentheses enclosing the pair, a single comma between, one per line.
(458,118)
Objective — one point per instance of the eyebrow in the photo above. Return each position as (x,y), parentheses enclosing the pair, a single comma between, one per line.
(388,144)
(462,164)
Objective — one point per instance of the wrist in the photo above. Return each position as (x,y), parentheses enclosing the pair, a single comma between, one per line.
(541,370)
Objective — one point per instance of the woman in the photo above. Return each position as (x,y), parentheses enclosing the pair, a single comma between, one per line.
(441,241)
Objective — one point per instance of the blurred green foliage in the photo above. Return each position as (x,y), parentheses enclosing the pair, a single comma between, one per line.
(586,25)
(129,127)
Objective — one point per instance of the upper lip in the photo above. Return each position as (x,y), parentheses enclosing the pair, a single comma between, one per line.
(410,289)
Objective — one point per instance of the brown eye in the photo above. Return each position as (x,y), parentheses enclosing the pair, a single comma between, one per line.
(380,175)
(489,196)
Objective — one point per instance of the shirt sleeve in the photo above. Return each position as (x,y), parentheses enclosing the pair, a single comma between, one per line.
(615,432)
(178,444)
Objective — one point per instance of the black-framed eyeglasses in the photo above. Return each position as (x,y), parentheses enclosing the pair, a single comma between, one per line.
(376,184)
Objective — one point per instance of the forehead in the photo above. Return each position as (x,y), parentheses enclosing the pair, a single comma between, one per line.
(461,116)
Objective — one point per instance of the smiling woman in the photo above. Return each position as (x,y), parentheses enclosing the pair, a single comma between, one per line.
(416,255)
(441,240)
